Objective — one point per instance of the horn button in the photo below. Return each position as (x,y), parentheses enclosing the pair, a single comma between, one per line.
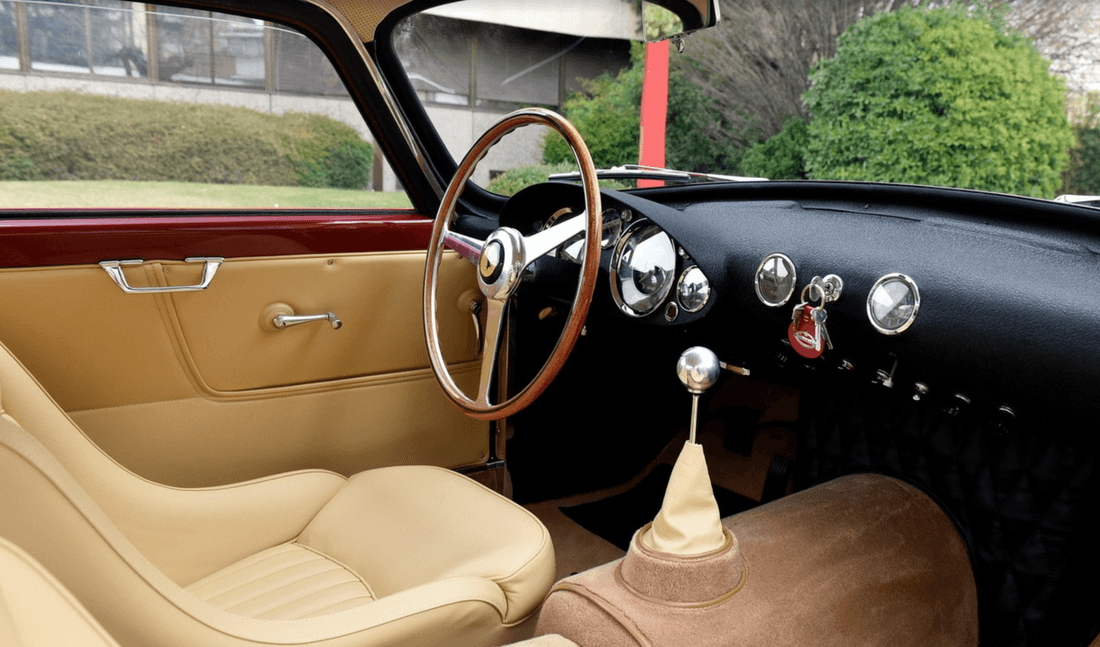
(501,263)
(491,263)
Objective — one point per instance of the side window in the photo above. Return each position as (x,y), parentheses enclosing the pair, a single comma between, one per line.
(472,62)
(106,103)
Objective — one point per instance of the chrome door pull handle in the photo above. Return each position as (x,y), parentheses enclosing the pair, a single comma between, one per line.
(286,321)
(114,270)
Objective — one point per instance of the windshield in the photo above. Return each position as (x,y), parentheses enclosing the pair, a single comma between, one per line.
(993,96)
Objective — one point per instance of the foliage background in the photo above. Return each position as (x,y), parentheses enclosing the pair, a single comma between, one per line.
(72,136)
(1082,175)
(938,97)
(607,115)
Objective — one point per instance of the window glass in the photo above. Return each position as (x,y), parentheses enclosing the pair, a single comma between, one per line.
(107,103)
(472,62)
(9,41)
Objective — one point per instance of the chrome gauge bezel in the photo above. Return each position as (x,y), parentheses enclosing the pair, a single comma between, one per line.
(613,275)
(909,283)
(680,286)
(783,258)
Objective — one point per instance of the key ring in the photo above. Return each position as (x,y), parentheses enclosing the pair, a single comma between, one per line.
(810,288)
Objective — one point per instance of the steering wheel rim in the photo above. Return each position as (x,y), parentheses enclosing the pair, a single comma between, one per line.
(500,268)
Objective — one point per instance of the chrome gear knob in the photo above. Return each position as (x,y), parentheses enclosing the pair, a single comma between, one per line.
(698,369)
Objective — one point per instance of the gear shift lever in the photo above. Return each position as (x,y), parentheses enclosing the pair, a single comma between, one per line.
(689,522)
(698,370)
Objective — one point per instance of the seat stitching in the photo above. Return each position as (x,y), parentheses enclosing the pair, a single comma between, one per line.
(325,610)
(321,584)
(303,601)
(238,567)
(273,583)
(370,591)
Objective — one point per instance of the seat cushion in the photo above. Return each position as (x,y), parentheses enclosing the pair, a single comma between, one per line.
(400,527)
(286,582)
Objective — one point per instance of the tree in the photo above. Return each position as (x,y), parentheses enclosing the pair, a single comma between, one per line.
(1065,31)
(938,97)
(755,64)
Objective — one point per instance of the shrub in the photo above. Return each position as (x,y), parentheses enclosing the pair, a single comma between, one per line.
(72,136)
(698,137)
(937,97)
(607,116)
(782,156)
(346,165)
(513,180)
(1083,173)
(18,168)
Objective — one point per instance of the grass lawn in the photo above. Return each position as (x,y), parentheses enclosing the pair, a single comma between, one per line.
(112,193)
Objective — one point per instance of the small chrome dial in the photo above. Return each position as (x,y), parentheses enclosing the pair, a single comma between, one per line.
(693,289)
(893,303)
(775,280)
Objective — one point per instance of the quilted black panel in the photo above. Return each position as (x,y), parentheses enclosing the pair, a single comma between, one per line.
(1024,497)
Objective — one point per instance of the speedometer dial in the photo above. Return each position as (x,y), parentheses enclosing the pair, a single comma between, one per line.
(643,268)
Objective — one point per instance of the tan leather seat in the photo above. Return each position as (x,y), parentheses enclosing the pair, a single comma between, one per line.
(394,556)
(37,611)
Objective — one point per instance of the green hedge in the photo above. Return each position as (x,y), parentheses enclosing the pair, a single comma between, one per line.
(938,97)
(1083,174)
(72,136)
(513,180)
(781,156)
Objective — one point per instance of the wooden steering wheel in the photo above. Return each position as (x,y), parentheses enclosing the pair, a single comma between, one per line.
(501,260)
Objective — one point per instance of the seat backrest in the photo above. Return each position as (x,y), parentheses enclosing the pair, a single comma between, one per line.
(37,611)
(186,533)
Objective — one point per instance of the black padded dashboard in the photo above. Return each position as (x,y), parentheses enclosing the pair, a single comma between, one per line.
(1010,287)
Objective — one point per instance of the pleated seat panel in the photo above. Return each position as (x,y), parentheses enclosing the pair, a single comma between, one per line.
(287,582)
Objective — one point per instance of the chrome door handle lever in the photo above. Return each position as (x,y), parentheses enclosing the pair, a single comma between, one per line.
(286,321)
(210,268)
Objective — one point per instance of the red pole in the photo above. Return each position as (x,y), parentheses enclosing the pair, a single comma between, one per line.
(654,109)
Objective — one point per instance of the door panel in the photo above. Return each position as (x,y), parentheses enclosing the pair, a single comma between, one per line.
(396,419)
(376,296)
(188,389)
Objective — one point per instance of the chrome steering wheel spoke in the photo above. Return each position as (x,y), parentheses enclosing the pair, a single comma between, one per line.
(467,247)
(494,326)
(538,245)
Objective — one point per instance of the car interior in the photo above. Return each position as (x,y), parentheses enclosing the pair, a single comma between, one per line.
(572,416)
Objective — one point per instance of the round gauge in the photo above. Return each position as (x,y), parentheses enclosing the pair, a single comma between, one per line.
(775,280)
(893,303)
(643,268)
(693,289)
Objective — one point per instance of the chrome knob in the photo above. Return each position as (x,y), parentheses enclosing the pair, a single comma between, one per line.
(698,369)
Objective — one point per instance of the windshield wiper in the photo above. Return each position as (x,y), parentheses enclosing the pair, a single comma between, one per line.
(639,172)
